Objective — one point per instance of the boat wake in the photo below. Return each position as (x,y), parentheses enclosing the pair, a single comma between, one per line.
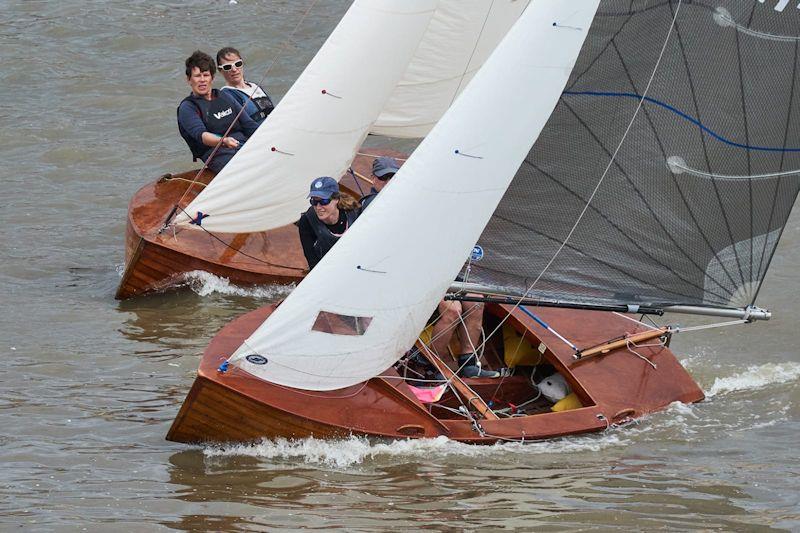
(755,377)
(205,284)
(356,450)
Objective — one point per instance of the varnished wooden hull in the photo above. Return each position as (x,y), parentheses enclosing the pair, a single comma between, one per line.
(236,407)
(156,260)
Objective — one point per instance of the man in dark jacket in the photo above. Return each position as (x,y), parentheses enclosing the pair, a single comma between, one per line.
(206,115)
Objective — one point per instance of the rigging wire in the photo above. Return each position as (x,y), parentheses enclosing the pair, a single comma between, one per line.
(472,54)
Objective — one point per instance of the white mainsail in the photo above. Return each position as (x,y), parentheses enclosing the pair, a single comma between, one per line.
(320,122)
(403,253)
(460,37)
(390,67)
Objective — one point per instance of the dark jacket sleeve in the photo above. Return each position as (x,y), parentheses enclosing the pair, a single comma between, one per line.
(190,120)
(307,239)
(249,126)
(246,124)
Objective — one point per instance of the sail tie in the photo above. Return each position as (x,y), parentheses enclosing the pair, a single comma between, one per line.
(275,149)
(328,93)
(557,25)
(459,152)
(363,269)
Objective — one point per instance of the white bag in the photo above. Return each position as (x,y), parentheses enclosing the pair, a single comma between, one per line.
(554,387)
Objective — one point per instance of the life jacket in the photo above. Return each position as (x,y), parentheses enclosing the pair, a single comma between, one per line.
(325,237)
(262,105)
(217,115)
(367,198)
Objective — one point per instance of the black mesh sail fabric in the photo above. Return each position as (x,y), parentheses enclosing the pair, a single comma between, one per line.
(693,198)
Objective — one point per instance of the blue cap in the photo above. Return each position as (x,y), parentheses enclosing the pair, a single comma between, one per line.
(385,165)
(324,188)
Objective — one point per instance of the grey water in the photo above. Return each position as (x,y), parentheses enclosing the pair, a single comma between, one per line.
(90,385)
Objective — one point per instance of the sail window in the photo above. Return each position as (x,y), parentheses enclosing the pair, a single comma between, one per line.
(337,324)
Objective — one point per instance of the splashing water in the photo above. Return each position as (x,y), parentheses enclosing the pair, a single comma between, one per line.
(205,284)
(755,377)
(354,450)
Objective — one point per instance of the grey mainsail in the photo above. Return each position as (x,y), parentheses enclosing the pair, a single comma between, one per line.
(681,124)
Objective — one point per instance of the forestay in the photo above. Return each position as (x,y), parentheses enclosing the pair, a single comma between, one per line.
(319,123)
(693,186)
(407,247)
(460,37)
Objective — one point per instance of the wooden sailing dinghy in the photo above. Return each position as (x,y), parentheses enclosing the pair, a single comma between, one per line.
(158,258)
(611,389)
(391,67)
(602,170)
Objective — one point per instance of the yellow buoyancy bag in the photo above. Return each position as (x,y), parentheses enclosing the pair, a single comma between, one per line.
(570,401)
(517,350)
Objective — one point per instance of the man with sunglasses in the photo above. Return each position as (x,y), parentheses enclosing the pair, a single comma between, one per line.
(383,169)
(205,116)
(329,216)
(250,95)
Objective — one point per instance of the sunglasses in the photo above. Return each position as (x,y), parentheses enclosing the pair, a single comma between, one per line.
(320,201)
(386,177)
(229,66)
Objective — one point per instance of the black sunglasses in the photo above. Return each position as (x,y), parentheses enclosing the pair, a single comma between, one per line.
(229,66)
(320,201)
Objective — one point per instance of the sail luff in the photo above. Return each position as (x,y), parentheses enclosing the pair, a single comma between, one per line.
(405,250)
(317,127)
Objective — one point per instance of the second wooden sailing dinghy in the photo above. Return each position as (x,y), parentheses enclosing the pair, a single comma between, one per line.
(390,67)
(649,175)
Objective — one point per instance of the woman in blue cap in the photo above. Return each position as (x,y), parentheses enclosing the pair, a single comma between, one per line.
(329,216)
